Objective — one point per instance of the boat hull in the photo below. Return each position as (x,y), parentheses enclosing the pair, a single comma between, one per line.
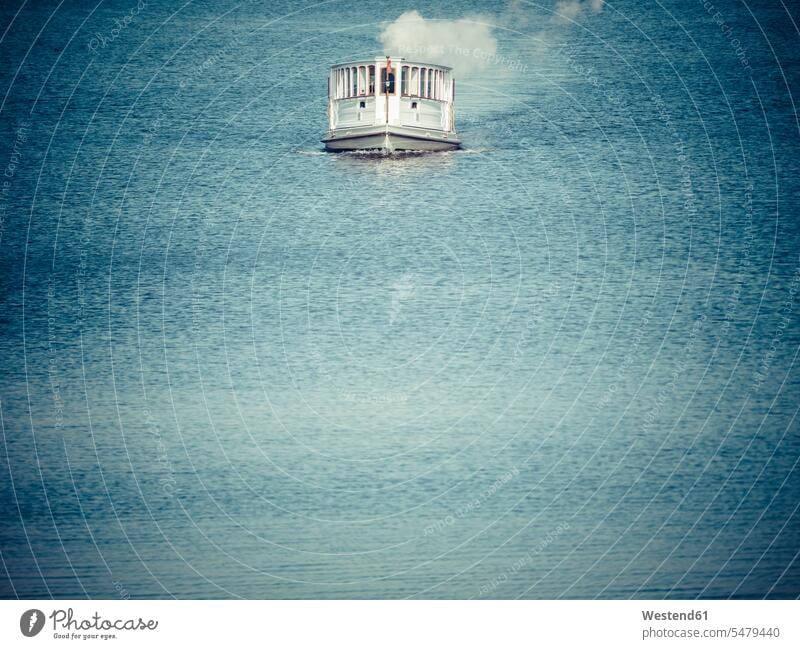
(391,138)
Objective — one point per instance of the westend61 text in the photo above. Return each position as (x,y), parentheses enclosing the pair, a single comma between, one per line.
(670,615)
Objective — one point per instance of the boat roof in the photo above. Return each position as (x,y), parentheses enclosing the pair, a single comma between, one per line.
(393,58)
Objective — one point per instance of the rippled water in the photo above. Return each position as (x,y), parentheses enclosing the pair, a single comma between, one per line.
(558,363)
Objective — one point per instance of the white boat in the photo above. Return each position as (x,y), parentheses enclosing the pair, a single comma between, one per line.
(391,104)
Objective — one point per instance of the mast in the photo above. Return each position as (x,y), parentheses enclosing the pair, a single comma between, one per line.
(386,86)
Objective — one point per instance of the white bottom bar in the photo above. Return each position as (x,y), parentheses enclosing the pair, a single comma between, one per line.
(403,624)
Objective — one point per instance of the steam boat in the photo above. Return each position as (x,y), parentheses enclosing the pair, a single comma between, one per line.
(391,104)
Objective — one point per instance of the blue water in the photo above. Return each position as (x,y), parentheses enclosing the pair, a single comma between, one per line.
(559,363)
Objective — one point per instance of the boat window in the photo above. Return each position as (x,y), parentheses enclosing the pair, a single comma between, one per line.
(362,80)
(387,81)
(415,81)
(354,82)
(404,80)
(430,84)
(371,89)
(413,105)
(362,104)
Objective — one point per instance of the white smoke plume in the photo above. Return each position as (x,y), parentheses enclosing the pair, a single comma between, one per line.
(466,44)
(571,9)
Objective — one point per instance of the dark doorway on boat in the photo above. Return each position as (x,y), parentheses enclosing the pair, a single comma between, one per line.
(387,82)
